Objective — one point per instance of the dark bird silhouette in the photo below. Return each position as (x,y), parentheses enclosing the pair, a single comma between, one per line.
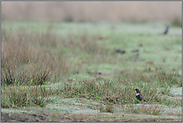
(166,31)
(120,51)
(139,95)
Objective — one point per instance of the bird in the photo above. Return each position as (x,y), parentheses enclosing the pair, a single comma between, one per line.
(139,95)
(166,31)
(120,51)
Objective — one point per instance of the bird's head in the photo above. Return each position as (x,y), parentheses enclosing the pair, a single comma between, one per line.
(137,90)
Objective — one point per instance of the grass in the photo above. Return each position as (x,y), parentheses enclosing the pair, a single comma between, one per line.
(81,59)
(13,96)
(149,110)
(107,108)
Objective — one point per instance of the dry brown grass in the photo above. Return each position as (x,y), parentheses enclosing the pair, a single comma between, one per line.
(143,109)
(92,11)
(87,44)
(26,62)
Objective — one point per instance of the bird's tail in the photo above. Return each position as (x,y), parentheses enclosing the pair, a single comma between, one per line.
(144,99)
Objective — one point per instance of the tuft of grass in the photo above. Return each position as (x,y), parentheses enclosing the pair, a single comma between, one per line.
(14,96)
(106,108)
(143,109)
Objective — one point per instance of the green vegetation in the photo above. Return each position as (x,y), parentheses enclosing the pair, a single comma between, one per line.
(79,60)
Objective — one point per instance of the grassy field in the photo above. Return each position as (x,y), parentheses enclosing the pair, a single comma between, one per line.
(61,68)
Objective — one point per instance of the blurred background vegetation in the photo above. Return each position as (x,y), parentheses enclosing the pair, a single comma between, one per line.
(93,11)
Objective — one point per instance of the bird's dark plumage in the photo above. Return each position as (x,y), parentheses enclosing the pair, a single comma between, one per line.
(166,31)
(120,51)
(139,95)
